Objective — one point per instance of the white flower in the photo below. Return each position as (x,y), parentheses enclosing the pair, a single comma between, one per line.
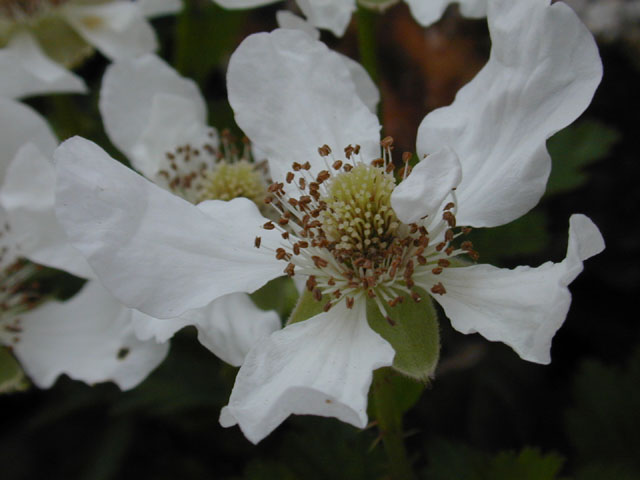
(92,337)
(335,15)
(351,232)
(39,38)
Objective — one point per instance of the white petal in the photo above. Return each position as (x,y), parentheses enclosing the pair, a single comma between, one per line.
(229,326)
(20,124)
(28,196)
(26,70)
(153,250)
(117,29)
(156,8)
(523,307)
(84,338)
(365,87)
(333,15)
(291,95)
(322,366)
(287,19)
(127,93)
(429,183)
(173,121)
(543,70)
(428,12)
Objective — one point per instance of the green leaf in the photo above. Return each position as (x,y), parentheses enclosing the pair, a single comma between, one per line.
(575,147)
(603,425)
(12,378)
(412,331)
(452,461)
(524,236)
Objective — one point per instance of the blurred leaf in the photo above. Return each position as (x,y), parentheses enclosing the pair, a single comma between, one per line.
(268,470)
(524,236)
(451,461)
(205,33)
(606,472)
(110,450)
(575,147)
(604,423)
(12,377)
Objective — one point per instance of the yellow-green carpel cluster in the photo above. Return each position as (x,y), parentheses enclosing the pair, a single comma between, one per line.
(339,229)
(359,217)
(233,180)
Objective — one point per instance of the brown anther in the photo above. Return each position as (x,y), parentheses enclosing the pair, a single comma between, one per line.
(290,270)
(337,294)
(296,166)
(350,302)
(303,244)
(296,249)
(466,246)
(311,283)
(268,200)
(438,289)
(285,235)
(306,166)
(378,162)
(293,202)
(415,297)
(347,167)
(269,226)
(371,294)
(317,295)
(337,165)
(387,142)
(319,261)
(356,149)
(283,221)
(281,254)
(423,231)
(466,230)
(313,186)
(390,168)
(324,150)
(449,250)
(290,177)
(443,262)
(390,320)
(449,206)
(327,306)
(406,157)
(474,255)
(331,281)
(448,235)
(440,246)
(302,183)
(257,242)
(421,260)
(348,151)
(322,176)
(396,301)
(437,271)
(449,218)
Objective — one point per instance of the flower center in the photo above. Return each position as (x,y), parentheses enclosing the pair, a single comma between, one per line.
(208,173)
(342,232)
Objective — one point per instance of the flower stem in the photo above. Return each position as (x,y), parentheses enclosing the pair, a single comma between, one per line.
(389,418)
(367,20)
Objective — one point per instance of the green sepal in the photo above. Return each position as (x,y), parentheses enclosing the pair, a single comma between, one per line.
(413,332)
(377,5)
(279,294)
(61,43)
(12,378)
(307,307)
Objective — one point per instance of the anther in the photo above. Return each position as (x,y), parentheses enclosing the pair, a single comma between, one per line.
(269,226)
(438,289)
(290,270)
(257,242)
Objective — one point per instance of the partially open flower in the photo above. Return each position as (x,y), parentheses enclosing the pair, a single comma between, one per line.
(40,39)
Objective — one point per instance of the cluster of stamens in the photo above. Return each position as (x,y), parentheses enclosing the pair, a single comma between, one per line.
(19,10)
(209,172)
(339,229)
(18,292)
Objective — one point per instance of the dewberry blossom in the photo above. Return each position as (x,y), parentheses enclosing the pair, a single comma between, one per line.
(335,15)
(346,225)
(91,337)
(41,39)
